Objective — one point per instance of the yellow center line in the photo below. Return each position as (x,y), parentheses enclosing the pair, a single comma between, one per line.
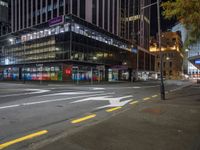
(27,137)
(147,98)
(134,102)
(83,119)
(155,96)
(113,109)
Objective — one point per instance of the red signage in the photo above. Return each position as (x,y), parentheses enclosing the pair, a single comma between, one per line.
(68,71)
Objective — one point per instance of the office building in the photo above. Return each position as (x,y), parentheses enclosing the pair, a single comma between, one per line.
(135,27)
(29,13)
(4,17)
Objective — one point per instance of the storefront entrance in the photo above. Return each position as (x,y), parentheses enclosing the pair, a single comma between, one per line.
(88,73)
(119,73)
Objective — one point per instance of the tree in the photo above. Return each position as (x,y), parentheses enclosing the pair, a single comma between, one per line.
(188,13)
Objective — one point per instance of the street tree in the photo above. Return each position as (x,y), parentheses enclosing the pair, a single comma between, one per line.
(188,13)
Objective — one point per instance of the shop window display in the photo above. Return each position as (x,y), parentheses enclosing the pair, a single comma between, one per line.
(43,73)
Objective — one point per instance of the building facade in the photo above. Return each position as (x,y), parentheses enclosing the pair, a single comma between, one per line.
(102,13)
(191,53)
(171,54)
(67,48)
(68,40)
(135,21)
(135,27)
(4,17)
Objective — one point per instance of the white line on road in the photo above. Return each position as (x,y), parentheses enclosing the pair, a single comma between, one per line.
(49,101)
(35,91)
(10,106)
(71,93)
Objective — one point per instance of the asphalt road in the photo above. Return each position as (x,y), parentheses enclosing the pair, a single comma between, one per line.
(31,113)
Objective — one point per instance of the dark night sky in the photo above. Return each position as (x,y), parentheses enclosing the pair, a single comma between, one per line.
(165,24)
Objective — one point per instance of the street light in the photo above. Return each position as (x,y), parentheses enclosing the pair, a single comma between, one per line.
(162,87)
(11,40)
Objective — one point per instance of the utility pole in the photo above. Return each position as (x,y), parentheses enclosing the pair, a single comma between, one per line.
(162,87)
(24,57)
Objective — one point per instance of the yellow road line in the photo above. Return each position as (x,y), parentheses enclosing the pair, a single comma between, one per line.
(83,119)
(30,136)
(155,96)
(113,109)
(134,102)
(147,98)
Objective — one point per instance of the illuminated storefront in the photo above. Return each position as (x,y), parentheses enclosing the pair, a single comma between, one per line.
(66,49)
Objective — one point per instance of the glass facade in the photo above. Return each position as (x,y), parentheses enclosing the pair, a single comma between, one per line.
(43,55)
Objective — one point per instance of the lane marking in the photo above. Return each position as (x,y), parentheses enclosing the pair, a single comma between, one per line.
(146,98)
(154,96)
(49,101)
(134,102)
(27,137)
(113,109)
(83,119)
(71,93)
(10,106)
(97,88)
(32,91)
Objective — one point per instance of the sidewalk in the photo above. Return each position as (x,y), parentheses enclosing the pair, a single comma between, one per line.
(173,124)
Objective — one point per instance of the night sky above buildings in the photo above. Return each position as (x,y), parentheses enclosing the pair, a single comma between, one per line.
(165,24)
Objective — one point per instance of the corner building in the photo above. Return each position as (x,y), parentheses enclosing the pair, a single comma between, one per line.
(66,40)
(172,55)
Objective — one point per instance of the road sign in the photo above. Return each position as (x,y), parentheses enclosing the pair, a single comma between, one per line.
(134,50)
(197,62)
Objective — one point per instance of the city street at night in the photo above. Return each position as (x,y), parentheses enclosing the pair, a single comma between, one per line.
(99,75)
(35,115)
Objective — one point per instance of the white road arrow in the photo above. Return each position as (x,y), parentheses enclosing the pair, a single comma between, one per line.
(114,102)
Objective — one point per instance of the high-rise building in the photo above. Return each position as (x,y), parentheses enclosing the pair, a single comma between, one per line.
(135,22)
(135,27)
(102,13)
(4,17)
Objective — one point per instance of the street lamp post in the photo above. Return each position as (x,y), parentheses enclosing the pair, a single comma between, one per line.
(162,87)
(24,62)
